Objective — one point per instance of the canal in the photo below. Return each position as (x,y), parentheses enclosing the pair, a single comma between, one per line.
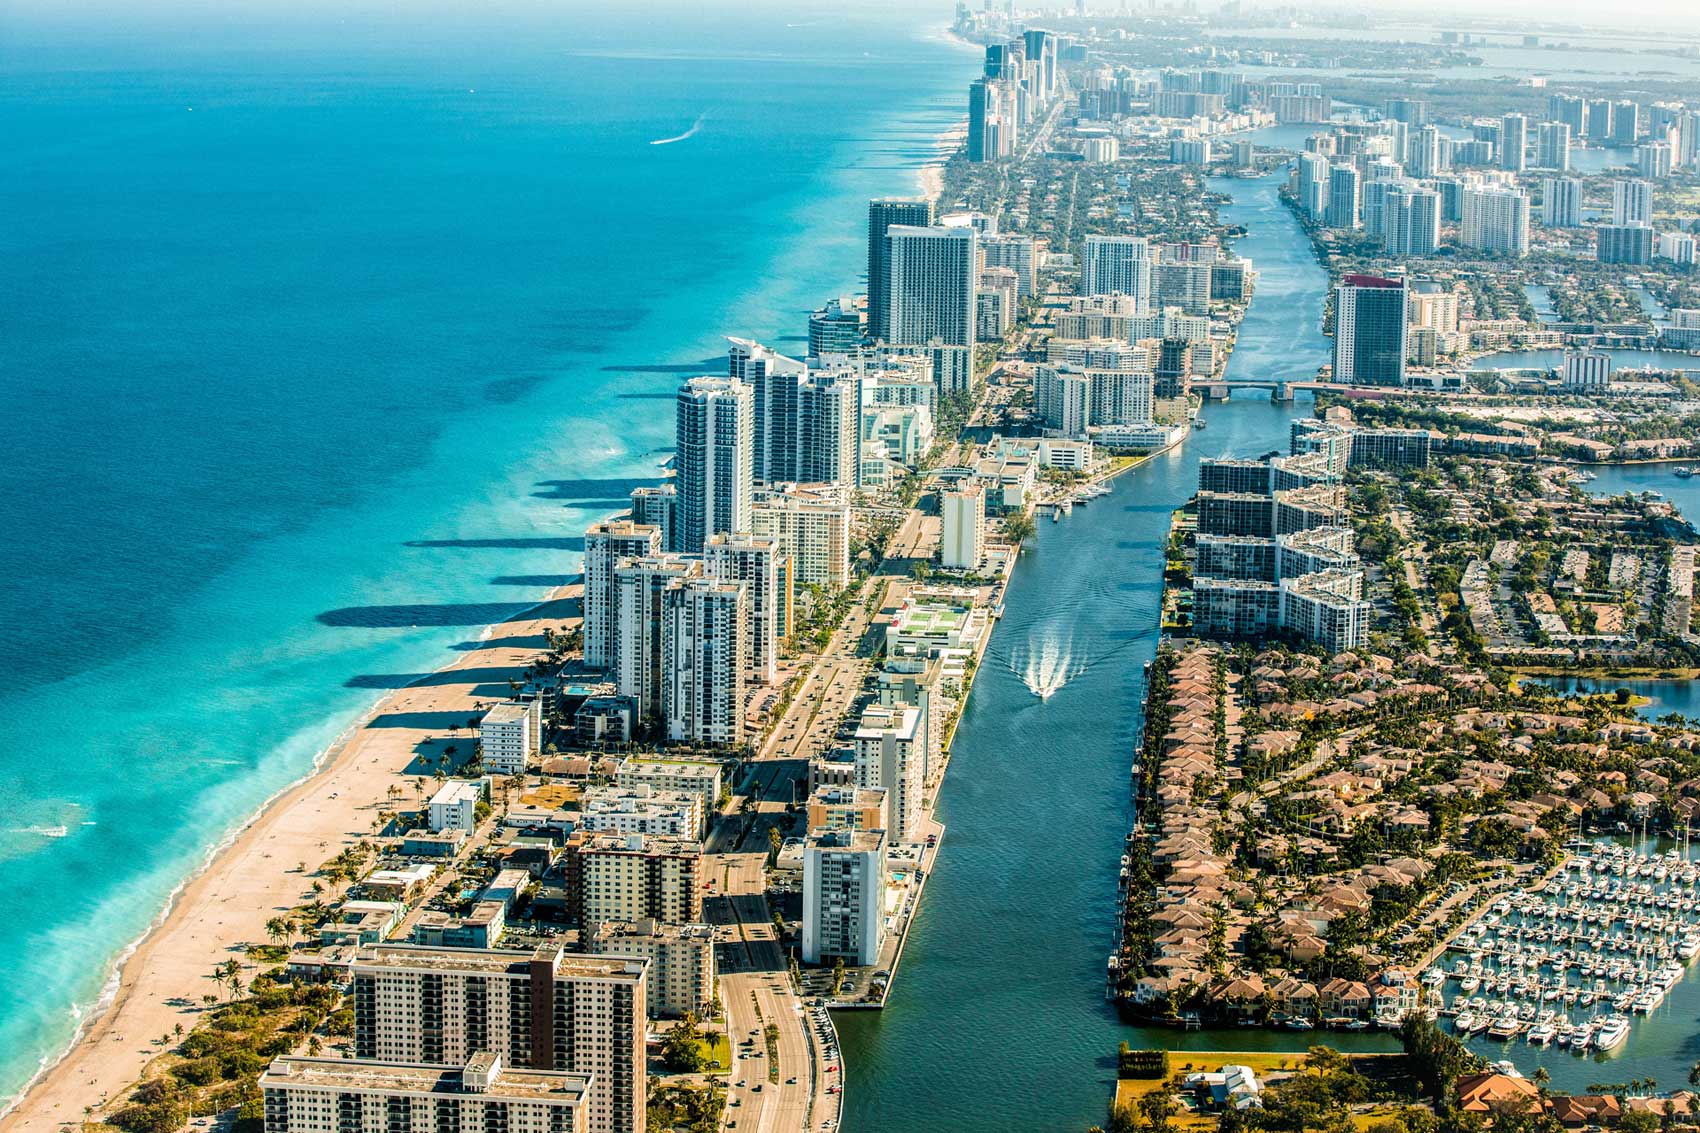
(998,1020)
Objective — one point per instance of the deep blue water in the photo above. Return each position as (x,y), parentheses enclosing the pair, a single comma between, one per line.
(320,337)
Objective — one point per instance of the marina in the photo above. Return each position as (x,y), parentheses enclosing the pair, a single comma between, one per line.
(1572,962)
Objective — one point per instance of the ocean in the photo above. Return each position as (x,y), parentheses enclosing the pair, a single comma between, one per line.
(324,330)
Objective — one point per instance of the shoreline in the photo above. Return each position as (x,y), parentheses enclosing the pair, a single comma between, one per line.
(311,819)
(930,177)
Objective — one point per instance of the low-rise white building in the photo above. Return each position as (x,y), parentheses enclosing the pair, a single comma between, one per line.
(509,736)
(699,777)
(642,810)
(455,806)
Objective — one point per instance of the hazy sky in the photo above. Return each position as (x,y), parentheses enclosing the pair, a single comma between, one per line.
(1641,15)
(1651,17)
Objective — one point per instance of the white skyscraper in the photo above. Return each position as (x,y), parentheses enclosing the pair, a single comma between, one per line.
(705,647)
(639,639)
(1423,149)
(812,526)
(755,562)
(1561,202)
(829,420)
(1410,221)
(715,431)
(1495,219)
(891,754)
(1117,265)
(1631,202)
(773,380)
(606,544)
(1345,196)
(964,540)
(1513,142)
(844,896)
(930,290)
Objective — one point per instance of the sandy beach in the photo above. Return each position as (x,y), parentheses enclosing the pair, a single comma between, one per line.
(931,175)
(255,877)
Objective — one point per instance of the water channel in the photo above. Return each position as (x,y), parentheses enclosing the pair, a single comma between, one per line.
(998,1020)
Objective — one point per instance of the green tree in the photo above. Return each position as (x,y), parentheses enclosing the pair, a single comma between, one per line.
(682,1048)
(1157,1107)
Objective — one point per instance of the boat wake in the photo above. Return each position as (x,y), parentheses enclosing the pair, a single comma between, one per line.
(1048,668)
(695,126)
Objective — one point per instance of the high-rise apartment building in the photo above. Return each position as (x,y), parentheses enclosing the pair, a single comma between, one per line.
(773,380)
(844,896)
(705,647)
(1344,196)
(1631,202)
(1117,265)
(334,1095)
(1513,142)
(1410,221)
(963,545)
(1553,146)
(892,744)
(1423,149)
(639,637)
(828,431)
(510,736)
(606,544)
(656,505)
(1625,243)
(882,214)
(930,285)
(631,877)
(1495,219)
(541,1010)
(812,527)
(1369,331)
(758,565)
(1016,251)
(1561,202)
(715,456)
(835,329)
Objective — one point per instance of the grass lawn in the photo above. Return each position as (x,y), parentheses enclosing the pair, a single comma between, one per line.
(1262,1062)
(719,1053)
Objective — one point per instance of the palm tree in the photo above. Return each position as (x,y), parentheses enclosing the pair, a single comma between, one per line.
(277,929)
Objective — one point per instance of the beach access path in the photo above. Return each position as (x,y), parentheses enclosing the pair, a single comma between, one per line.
(256,877)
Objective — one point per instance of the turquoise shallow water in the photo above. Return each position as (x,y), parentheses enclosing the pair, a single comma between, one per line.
(321,337)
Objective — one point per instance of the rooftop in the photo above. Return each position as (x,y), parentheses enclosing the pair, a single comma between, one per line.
(407,1078)
(489,961)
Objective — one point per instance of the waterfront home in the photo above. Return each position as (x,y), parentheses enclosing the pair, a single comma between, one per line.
(1345,999)
(1295,997)
(1682,1103)
(1231,1087)
(1574,1112)
(1489,1093)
